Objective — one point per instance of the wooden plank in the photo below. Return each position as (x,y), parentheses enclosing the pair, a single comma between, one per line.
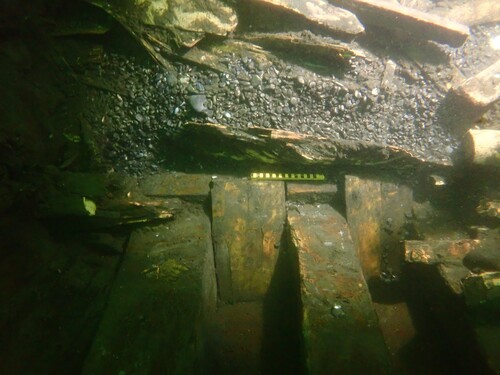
(420,25)
(248,219)
(472,12)
(265,146)
(322,13)
(446,255)
(176,184)
(340,330)
(467,102)
(162,294)
(376,214)
(310,193)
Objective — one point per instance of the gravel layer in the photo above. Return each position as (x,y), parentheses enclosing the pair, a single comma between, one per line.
(356,106)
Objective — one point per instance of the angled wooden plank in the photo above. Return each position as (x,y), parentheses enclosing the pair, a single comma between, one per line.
(418,24)
(376,213)
(162,294)
(340,329)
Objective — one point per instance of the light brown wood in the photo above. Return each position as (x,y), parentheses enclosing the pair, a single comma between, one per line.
(482,146)
(418,24)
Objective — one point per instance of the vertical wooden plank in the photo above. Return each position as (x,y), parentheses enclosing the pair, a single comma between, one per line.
(340,329)
(248,220)
(376,214)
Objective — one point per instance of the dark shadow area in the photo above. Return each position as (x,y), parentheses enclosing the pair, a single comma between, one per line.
(54,290)
(445,342)
(386,292)
(281,341)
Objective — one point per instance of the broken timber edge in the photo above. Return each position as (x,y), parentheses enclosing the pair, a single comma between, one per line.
(274,147)
(397,17)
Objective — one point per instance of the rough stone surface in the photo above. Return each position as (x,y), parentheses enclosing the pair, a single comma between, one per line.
(162,294)
(340,328)
(248,220)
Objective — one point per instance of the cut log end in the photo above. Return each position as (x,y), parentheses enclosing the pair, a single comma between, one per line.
(482,146)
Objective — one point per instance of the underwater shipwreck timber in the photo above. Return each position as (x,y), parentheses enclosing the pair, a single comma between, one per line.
(249,187)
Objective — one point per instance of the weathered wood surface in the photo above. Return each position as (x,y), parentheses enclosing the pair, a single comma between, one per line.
(420,25)
(473,336)
(99,200)
(266,146)
(214,55)
(307,45)
(164,290)
(310,193)
(248,220)
(472,12)
(489,208)
(340,329)
(482,293)
(176,184)
(483,89)
(376,214)
(482,146)
(322,13)
(446,255)
(482,288)
(467,102)
(180,21)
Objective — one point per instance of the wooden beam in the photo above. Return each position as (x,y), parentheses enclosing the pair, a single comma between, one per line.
(467,102)
(339,322)
(420,25)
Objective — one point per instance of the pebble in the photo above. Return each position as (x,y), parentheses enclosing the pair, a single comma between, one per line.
(198,103)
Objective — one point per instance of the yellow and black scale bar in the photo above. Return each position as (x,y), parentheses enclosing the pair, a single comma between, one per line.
(288,176)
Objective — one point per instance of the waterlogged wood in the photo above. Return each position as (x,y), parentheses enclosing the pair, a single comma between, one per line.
(482,288)
(420,25)
(169,25)
(472,12)
(322,13)
(319,49)
(339,326)
(176,184)
(467,102)
(275,147)
(446,255)
(482,146)
(248,220)
(489,208)
(214,56)
(376,215)
(162,295)
(483,89)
